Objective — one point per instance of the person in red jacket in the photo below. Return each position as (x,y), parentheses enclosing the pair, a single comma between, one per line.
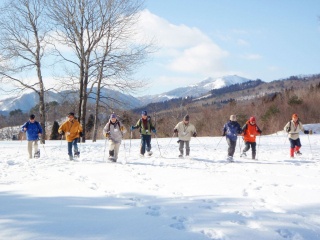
(250,131)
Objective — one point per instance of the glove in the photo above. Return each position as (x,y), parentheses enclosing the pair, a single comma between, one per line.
(259,131)
(61,132)
(121,128)
(306,132)
(107,134)
(223,134)
(194,134)
(154,131)
(287,129)
(132,128)
(80,134)
(175,130)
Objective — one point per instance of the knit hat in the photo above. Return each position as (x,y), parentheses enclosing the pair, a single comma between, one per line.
(144,113)
(252,119)
(70,114)
(294,115)
(186,118)
(113,115)
(233,118)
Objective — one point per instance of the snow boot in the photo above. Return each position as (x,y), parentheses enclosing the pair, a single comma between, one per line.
(149,153)
(70,157)
(180,155)
(291,152)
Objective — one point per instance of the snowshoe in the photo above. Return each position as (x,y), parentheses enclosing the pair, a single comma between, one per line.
(112,159)
(77,154)
(298,153)
(37,154)
(243,154)
(141,155)
(230,159)
(149,153)
(180,156)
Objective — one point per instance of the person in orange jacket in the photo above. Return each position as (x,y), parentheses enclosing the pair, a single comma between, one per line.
(250,131)
(73,130)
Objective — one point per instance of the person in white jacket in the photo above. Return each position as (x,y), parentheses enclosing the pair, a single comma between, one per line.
(185,131)
(114,131)
(293,127)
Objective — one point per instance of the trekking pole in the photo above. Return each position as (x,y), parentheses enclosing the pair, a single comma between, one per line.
(310,145)
(45,152)
(130,141)
(218,143)
(104,151)
(158,144)
(240,145)
(201,143)
(258,147)
(165,150)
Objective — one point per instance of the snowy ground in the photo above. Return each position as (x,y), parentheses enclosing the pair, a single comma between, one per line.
(161,197)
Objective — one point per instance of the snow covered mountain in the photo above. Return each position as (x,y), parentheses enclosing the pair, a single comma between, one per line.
(196,89)
(29,100)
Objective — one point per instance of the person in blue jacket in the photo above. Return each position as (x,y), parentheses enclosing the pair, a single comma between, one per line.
(231,130)
(33,130)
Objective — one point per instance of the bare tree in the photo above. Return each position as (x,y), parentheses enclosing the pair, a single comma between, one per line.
(22,46)
(86,26)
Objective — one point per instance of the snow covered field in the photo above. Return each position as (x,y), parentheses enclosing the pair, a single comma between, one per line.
(165,198)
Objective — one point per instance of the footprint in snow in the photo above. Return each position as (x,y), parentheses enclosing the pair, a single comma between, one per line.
(181,222)
(213,234)
(154,211)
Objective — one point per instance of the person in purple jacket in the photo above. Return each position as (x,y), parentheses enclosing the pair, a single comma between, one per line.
(33,130)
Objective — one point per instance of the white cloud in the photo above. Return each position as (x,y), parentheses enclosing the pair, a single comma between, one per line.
(242,42)
(252,56)
(187,49)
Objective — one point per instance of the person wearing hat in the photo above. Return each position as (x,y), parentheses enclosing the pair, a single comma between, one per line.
(145,127)
(293,127)
(250,131)
(72,129)
(231,130)
(185,131)
(114,131)
(33,130)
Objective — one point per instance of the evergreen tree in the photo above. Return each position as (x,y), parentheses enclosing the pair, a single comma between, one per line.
(54,132)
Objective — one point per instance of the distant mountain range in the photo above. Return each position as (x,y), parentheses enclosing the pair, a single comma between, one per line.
(29,100)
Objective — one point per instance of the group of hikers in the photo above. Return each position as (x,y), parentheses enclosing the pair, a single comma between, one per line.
(114,131)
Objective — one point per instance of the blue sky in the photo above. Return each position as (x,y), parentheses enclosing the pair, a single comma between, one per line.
(261,39)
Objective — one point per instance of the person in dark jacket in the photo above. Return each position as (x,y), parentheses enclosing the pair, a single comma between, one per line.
(33,131)
(250,131)
(231,130)
(145,125)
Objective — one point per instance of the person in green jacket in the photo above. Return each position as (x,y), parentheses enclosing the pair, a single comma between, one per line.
(145,127)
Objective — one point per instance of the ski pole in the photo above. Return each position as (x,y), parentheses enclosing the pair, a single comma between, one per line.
(218,143)
(130,141)
(45,152)
(201,143)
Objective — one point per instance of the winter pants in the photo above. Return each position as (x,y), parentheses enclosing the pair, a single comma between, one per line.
(114,149)
(30,143)
(181,145)
(74,143)
(232,147)
(145,140)
(295,145)
(253,148)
